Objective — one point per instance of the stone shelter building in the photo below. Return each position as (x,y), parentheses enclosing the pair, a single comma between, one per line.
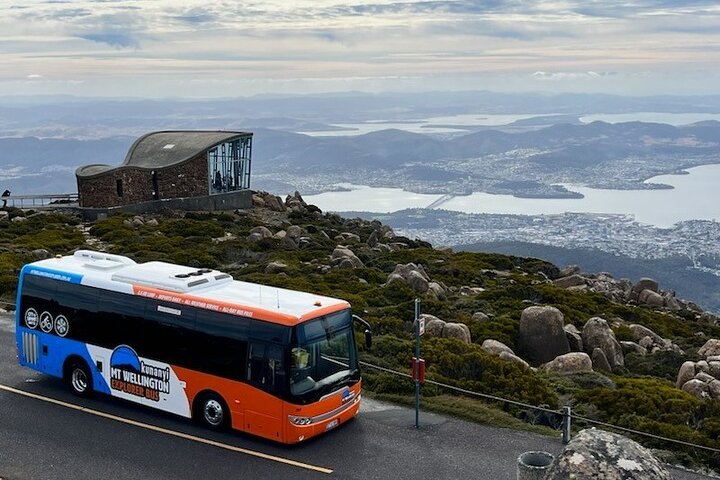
(170,165)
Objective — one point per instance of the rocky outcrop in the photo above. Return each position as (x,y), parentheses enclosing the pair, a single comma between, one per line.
(632,347)
(573,362)
(433,325)
(437,290)
(504,352)
(457,330)
(644,292)
(573,337)
(599,360)
(40,254)
(541,337)
(569,270)
(347,237)
(646,284)
(466,291)
(275,267)
(436,327)
(597,334)
(295,203)
(417,279)
(697,388)
(267,200)
(259,233)
(709,318)
(343,257)
(480,317)
(710,349)
(494,347)
(604,283)
(294,232)
(570,281)
(511,357)
(650,298)
(650,341)
(639,332)
(603,455)
(702,378)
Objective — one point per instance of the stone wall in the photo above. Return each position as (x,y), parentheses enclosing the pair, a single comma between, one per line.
(206,203)
(188,179)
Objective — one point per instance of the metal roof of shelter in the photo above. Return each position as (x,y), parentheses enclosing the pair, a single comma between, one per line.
(157,150)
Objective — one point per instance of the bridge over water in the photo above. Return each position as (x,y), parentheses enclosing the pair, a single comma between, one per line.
(445,198)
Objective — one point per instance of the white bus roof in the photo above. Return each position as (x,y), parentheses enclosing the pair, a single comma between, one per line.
(203,288)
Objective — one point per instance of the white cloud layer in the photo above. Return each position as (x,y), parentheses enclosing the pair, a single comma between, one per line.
(220,48)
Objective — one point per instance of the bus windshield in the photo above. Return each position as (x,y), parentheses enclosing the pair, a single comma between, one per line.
(323,357)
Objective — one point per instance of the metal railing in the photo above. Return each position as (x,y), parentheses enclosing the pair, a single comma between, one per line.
(42,201)
(566,414)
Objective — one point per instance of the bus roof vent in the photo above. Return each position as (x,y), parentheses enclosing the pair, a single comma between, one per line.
(102,261)
(170,277)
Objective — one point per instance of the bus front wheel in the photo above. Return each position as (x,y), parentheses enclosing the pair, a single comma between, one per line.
(79,378)
(212,412)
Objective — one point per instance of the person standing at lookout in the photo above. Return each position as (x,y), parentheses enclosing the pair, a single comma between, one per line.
(5,194)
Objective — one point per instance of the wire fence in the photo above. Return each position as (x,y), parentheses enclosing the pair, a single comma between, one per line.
(7,305)
(566,414)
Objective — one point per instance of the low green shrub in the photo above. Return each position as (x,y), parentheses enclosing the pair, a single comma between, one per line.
(659,364)
(56,240)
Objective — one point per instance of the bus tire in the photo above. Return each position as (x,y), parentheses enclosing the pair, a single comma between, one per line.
(212,412)
(79,378)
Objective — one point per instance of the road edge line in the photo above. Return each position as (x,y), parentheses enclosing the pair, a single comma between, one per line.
(155,428)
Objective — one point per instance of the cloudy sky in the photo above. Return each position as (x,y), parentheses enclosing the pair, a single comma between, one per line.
(159,48)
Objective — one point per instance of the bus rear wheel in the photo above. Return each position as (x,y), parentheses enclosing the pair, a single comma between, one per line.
(212,412)
(79,378)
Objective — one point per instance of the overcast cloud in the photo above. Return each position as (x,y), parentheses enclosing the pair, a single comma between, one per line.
(226,48)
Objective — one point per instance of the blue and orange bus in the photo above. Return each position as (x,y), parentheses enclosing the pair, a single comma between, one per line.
(277,363)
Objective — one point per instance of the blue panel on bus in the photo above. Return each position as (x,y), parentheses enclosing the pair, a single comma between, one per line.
(54,274)
(55,350)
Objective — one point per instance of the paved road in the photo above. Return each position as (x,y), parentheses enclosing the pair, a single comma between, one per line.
(52,434)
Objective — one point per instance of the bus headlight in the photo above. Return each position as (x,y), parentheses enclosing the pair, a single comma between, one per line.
(300,420)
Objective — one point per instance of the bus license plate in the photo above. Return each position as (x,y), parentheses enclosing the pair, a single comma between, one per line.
(332,424)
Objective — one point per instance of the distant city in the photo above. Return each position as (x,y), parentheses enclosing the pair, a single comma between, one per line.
(616,234)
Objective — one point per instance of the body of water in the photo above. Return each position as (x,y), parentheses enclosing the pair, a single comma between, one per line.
(694,197)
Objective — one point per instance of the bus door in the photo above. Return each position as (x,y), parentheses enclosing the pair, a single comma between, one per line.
(266,373)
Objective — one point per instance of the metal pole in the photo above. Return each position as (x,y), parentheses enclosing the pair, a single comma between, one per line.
(567,416)
(417,360)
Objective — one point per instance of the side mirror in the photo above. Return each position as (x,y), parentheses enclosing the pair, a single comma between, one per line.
(368,331)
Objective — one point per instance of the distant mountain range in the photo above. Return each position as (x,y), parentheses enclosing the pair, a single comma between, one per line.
(527,163)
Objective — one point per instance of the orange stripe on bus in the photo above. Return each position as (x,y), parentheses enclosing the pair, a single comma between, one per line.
(220,306)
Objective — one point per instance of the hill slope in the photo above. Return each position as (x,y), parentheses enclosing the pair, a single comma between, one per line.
(475,297)
(674,273)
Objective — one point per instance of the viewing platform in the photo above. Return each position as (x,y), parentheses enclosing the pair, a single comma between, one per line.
(43,201)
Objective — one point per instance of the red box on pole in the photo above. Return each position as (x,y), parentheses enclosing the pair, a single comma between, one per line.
(418,369)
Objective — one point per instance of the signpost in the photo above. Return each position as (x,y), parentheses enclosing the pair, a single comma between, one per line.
(419,330)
